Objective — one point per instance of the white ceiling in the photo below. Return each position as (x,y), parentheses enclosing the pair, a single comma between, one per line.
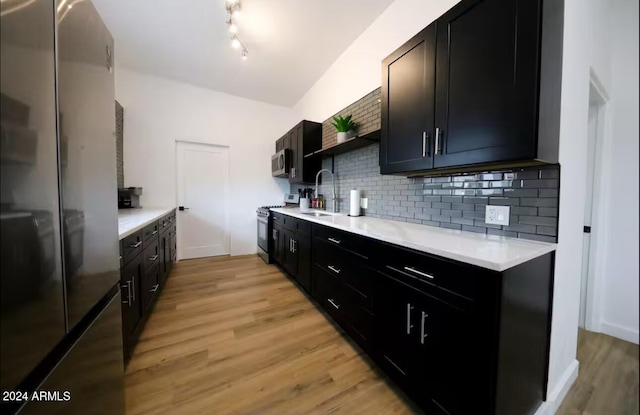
(291,43)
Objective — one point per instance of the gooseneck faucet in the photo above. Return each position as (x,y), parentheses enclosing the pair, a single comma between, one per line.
(333,182)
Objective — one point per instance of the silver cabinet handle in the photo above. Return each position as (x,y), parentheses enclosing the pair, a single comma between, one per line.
(422,333)
(133,288)
(335,241)
(333,304)
(137,244)
(155,288)
(424,144)
(294,243)
(424,274)
(153,258)
(334,269)
(154,232)
(437,140)
(128,301)
(409,325)
(275,235)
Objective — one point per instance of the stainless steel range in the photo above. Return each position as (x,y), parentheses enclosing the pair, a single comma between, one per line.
(265,227)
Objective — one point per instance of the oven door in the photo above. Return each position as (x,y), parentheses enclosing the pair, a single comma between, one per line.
(263,238)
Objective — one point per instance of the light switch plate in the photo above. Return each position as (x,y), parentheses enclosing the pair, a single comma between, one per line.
(497,215)
(364,202)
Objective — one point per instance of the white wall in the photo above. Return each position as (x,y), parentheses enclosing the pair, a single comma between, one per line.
(619,314)
(157,112)
(358,71)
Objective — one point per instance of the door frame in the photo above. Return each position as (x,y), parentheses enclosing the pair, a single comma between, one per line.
(179,246)
(600,207)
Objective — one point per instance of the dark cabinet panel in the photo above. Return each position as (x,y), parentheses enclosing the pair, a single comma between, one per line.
(149,287)
(278,238)
(131,246)
(304,138)
(408,89)
(130,278)
(487,82)
(150,233)
(303,250)
(289,252)
(464,91)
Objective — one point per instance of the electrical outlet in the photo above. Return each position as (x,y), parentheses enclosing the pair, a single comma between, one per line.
(497,215)
(364,202)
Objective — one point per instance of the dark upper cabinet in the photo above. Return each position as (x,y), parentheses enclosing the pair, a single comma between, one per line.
(466,90)
(303,139)
(487,76)
(408,97)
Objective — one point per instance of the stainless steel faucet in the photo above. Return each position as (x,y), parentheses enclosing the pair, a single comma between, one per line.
(333,182)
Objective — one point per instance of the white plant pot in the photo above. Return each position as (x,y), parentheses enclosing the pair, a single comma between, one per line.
(342,137)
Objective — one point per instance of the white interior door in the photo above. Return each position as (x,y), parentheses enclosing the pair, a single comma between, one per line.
(203,191)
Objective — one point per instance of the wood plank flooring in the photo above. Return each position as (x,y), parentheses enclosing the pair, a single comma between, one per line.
(235,336)
(607,382)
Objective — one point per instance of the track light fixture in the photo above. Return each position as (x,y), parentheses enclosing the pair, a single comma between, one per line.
(233,10)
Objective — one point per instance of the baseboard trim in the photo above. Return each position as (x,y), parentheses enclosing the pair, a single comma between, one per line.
(555,398)
(620,332)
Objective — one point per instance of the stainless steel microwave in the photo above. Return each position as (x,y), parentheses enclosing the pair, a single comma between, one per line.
(280,163)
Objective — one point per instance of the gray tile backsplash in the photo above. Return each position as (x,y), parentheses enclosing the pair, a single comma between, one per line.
(451,201)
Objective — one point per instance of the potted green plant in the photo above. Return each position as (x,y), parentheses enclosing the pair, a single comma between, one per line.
(345,126)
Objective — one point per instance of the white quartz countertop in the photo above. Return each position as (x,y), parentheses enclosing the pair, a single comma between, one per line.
(493,252)
(132,220)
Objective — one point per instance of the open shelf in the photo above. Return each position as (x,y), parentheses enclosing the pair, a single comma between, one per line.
(349,145)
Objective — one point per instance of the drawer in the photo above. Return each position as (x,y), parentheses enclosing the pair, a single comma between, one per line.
(150,233)
(150,287)
(346,267)
(164,223)
(151,256)
(131,247)
(344,306)
(425,272)
(289,222)
(353,243)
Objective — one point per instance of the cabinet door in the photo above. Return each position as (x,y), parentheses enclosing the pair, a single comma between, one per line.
(408,88)
(130,293)
(289,253)
(295,149)
(487,76)
(303,251)
(396,331)
(453,364)
(277,237)
(149,287)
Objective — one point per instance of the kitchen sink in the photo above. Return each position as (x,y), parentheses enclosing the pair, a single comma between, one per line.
(317,214)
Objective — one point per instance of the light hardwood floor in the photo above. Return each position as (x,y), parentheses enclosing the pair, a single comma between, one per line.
(235,336)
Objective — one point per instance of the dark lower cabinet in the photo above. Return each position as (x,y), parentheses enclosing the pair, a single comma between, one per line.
(458,339)
(147,257)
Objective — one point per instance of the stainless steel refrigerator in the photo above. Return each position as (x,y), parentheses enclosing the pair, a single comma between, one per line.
(60,307)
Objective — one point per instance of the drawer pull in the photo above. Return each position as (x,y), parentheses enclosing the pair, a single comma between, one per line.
(334,269)
(128,301)
(335,241)
(422,333)
(153,258)
(154,232)
(333,304)
(155,288)
(409,325)
(137,244)
(424,274)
